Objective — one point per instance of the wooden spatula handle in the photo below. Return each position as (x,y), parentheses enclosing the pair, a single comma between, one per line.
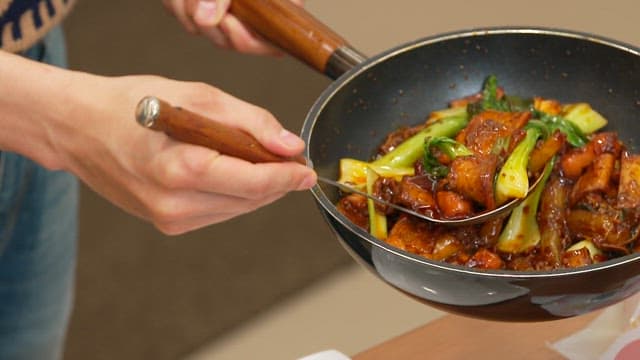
(189,127)
(299,33)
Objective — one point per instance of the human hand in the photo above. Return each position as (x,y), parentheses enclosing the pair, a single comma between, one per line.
(211,19)
(90,130)
(181,187)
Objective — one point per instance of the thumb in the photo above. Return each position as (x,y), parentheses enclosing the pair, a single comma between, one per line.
(207,13)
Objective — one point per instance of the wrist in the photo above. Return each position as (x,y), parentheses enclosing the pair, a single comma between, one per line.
(37,105)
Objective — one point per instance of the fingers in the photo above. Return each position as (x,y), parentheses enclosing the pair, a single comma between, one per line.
(196,187)
(207,13)
(175,222)
(241,39)
(269,132)
(256,121)
(216,36)
(211,19)
(178,9)
(184,166)
(180,187)
(253,181)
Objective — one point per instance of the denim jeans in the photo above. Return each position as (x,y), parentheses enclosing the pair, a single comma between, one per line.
(38,231)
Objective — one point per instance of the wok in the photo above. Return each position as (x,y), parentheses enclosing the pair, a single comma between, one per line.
(372,97)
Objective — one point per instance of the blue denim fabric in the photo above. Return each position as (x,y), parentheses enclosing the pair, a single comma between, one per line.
(38,231)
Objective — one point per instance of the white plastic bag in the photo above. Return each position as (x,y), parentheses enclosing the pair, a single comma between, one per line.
(613,335)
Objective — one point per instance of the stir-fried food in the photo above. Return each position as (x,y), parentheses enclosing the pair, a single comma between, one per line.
(486,149)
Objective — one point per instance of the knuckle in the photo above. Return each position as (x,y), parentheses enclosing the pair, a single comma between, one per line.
(164,211)
(152,78)
(203,95)
(264,117)
(295,181)
(172,175)
(265,124)
(202,88)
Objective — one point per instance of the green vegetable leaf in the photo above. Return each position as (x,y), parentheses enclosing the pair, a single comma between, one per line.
(412,149)
(513,181)
(584,117)
(446,145)
(522,232)
(377,220)
(490,99)
(575,137)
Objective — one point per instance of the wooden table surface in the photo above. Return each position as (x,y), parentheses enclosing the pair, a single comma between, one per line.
(454,337)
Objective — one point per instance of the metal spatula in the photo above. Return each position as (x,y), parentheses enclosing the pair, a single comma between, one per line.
(189,127)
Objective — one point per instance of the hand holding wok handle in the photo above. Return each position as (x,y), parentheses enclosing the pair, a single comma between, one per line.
(300,34)
(189,127)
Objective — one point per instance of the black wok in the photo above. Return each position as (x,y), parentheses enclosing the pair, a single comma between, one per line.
(401,86)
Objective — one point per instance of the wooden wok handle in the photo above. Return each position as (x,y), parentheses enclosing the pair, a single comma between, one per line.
(300,34)
(189,127)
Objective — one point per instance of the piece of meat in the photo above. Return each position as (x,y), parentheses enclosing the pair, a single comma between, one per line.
(606,142)
(552,215)
(486,128)
(415,197)
(545,150)
(490,232)
(576,160)
(577,258)
(445,246)
(354,207)
(419,237)
(472,177)
(453,205)
(386,189)
(549,106)
(608,228)
(474,98)
(464,101)
(629,187)
(485,259)
(412,236)
(596,178)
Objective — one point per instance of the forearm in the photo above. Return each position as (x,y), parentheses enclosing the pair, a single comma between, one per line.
(84,124)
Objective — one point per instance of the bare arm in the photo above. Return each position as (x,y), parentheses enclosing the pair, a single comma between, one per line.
(84,124)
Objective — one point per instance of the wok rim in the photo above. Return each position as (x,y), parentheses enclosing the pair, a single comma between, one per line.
(325,98)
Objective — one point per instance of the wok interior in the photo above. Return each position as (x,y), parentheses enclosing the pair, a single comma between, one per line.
(404,85)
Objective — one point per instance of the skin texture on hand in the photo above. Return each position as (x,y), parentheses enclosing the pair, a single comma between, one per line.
(211,19)
(90,130)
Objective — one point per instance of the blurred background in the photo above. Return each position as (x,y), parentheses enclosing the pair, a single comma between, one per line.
(142,295)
